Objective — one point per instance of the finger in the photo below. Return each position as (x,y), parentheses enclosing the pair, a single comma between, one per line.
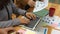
(28,16)
(10,29)
(20,33)
(5,32)
(34,16)
(27,21)
(33,4)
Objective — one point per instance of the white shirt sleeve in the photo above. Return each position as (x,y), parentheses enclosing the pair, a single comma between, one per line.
(40,5)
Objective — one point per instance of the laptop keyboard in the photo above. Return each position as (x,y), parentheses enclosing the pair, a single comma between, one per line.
(33,23)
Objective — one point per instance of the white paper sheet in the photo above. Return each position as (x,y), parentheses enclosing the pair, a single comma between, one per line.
(55,32)
(40,5)
(52,21)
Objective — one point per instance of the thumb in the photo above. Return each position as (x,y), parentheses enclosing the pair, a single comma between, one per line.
(4,32)
(10,29)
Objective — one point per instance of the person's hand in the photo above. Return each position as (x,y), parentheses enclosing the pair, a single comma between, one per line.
(24,20)
(30,15)
(31,3)
(2,31)
(6,30)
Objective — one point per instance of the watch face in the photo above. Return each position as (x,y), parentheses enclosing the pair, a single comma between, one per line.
(27,7)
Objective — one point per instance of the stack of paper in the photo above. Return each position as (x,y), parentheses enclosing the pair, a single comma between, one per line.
(40,5)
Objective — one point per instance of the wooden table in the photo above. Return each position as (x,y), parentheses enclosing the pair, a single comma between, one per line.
(57,13)
(56,6)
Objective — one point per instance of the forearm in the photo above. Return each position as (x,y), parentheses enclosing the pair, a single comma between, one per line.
(17,10)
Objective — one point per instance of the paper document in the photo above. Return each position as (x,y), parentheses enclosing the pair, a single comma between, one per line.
(40,5)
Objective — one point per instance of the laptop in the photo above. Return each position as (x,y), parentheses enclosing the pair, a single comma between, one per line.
(33,23)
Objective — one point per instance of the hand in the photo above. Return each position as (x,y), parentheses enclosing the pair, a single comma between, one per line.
(24,20)
(31,15)
(2,31)
(31,3)
(5,30)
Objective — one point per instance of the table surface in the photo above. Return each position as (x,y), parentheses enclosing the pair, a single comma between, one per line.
(56,6)
(57,13)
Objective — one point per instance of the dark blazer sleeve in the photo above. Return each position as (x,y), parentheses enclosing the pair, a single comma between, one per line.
(17,10)
(16,21)
(9,23)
